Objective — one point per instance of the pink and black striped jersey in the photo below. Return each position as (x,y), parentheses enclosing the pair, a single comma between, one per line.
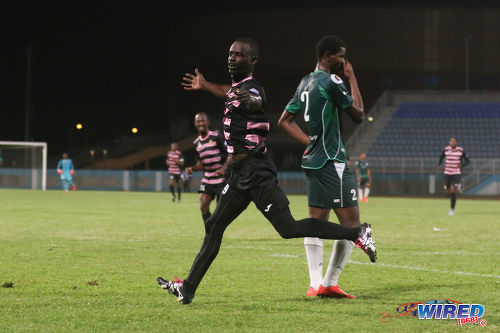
(454,160)
(211,152)
(172,157)
(244,129)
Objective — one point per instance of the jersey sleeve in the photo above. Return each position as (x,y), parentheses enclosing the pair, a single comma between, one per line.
(338,92)
(255,89)
(294,105)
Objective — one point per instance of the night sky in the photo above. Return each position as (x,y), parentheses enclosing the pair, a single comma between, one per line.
(109,65)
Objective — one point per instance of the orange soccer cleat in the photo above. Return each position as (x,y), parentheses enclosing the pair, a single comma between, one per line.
(312,292)
(333,291)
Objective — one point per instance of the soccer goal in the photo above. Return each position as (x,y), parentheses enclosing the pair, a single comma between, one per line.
(23,165)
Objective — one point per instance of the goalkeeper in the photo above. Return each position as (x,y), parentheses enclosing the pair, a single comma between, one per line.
(66,169)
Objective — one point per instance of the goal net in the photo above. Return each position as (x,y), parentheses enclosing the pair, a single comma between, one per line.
(23,165)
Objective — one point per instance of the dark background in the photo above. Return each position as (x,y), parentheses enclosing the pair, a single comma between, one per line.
(112,66)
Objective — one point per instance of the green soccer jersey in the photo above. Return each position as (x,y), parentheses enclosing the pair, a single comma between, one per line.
(362,169)
(321,97)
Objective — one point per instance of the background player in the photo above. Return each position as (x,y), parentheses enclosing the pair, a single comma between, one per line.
(211,151)
(174,163)
(364,176)
(455,159)
(322,96)
(66,169)
(251,175)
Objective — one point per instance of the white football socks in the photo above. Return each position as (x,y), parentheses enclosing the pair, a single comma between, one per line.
(360,193)
(341,252)
(367,192)
(314,253)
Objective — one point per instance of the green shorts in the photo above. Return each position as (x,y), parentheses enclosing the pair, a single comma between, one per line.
(332,186)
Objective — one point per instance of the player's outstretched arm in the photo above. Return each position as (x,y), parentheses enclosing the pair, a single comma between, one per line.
(287,122)
(197,81)
(357,111)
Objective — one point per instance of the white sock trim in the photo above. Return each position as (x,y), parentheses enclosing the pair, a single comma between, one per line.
(342,250)
(314,254)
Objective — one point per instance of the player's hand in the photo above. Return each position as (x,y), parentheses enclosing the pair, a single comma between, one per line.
(193,82)
(250,101)
(220,172)
(189,171)
(348,70)
(72,172)
(59,171)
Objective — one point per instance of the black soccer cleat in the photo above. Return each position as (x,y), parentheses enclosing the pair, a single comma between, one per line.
(175,288)
(366,243)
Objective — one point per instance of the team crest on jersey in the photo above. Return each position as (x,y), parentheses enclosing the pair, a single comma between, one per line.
(336,79)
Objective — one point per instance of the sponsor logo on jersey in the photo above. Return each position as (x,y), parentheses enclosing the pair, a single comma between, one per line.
(336,79)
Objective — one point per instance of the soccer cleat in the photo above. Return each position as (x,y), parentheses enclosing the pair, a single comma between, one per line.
(175,288)
(173,199)
(366,243)
(333,292)
(312,292)
(452,212)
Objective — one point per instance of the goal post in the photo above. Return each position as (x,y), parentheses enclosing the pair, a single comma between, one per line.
(23,164)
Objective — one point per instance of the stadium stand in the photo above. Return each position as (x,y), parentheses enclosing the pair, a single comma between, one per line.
(423,129)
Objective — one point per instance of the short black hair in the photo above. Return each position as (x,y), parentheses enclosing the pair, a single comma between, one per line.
(253,46)
(328,43)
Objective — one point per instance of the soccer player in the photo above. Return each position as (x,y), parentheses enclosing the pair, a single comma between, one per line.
(211,151)
(364,176)
(66,169)
(250,175)
(174,163)
(455,159)
(322,97)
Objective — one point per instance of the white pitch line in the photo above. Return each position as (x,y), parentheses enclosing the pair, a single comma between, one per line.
(411,268)
(416,268)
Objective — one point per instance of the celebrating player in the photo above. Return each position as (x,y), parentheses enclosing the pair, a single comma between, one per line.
(211,151)
(174,163)
(66,169)
(364,176)
(322,96)
(251,175)
(455,159)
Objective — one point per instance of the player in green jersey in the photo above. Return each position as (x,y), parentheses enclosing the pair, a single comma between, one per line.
(364,176)
(322,97)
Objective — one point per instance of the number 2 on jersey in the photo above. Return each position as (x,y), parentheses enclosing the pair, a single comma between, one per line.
(304,97)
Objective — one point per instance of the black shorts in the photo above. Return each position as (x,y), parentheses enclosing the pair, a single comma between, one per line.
(212,190)
(363,182)
(452,180)
(255,179)
(176,178)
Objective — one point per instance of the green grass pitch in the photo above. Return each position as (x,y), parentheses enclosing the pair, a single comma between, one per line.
(88,261)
